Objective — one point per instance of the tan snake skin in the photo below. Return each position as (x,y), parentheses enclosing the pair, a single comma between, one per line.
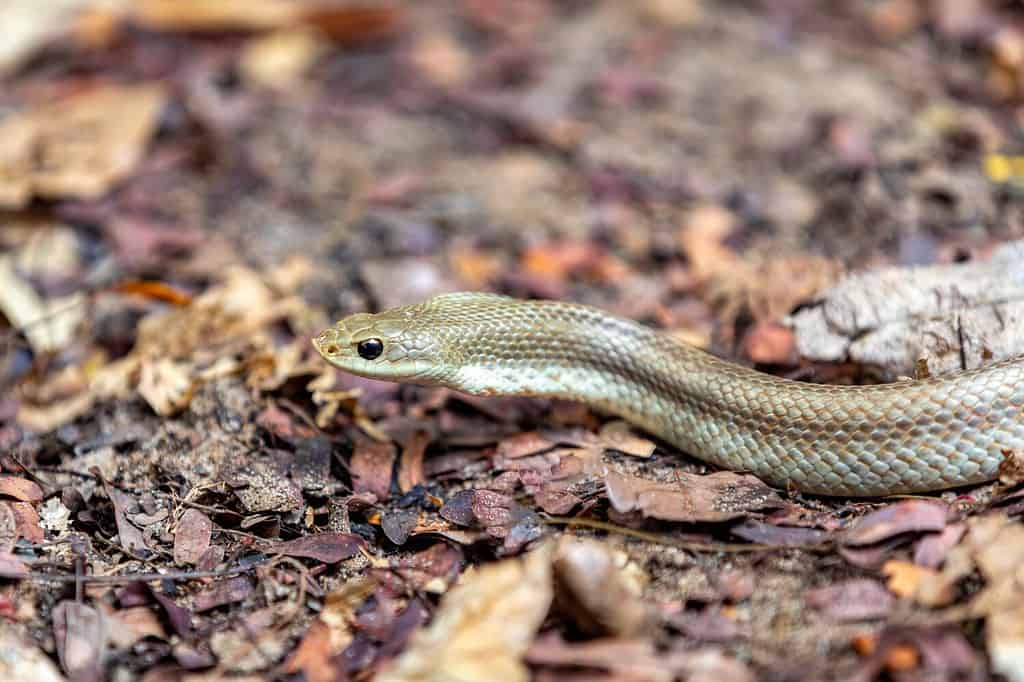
(904,437)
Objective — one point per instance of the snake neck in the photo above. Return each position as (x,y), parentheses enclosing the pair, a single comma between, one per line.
(615,365)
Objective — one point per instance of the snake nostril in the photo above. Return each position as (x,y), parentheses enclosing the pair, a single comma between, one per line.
(331,349)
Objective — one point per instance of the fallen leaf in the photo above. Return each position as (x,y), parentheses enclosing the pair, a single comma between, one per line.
(895,519)
(8,528)
(166,385)
(431,570)
(330,548)
(599,589)
(80,633)
(313,655)
(227,591)
(53,516)
(23,661)
(221,15)
(11,566)
(398,525)
(763,533)
(280,59)
(30,25)
(932,548)
(26,521)
(410,470)
(352,25)
(179,617)
(371,465)
(717,497)
(620,437)
(79,146)
(624,659)
(20,489)
(128,626)
(852,600)
(483,625)
(330,633)
(48,324)
(131,537)
(1011,469)
(192,537)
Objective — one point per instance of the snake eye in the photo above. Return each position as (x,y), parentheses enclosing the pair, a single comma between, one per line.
(370,348)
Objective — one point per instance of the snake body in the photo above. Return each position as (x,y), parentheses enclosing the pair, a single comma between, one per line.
(903,437)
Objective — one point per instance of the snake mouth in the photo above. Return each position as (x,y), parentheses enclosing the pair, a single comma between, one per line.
(326,343)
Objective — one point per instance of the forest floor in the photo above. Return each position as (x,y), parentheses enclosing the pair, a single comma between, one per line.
(189,190)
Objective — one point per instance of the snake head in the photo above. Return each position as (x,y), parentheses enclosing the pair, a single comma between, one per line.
(391,346)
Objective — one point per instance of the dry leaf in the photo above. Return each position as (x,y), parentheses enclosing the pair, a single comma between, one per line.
(599,588)
(79,146)
(215,15)
(483,625)
(80,633)
(23,661)
(906,580)
(20,489)
(852,600)
(895,519)
(280,59)
(166,385)
(192,537)
(717,497)
(49,325)
(329,548)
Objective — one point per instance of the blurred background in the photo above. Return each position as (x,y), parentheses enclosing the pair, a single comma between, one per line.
(622,153)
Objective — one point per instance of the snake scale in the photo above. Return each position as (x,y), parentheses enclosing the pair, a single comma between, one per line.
(903,437)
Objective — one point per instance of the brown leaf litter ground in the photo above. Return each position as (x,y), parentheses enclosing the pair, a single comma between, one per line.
(189,189)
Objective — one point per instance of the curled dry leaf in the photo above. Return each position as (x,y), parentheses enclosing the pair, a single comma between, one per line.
(131,537)
(166,385)
(717,497)
(931,549)
(48,324)
(599,588)
(895,519)
(483,625)
(410,471)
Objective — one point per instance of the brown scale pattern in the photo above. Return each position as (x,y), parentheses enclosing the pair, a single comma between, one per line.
(832,440)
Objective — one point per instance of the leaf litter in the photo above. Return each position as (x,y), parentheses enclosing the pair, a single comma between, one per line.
(192,188)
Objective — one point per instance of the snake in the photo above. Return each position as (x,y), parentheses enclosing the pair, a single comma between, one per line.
(907,436)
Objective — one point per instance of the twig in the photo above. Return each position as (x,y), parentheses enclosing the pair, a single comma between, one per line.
(130,578)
